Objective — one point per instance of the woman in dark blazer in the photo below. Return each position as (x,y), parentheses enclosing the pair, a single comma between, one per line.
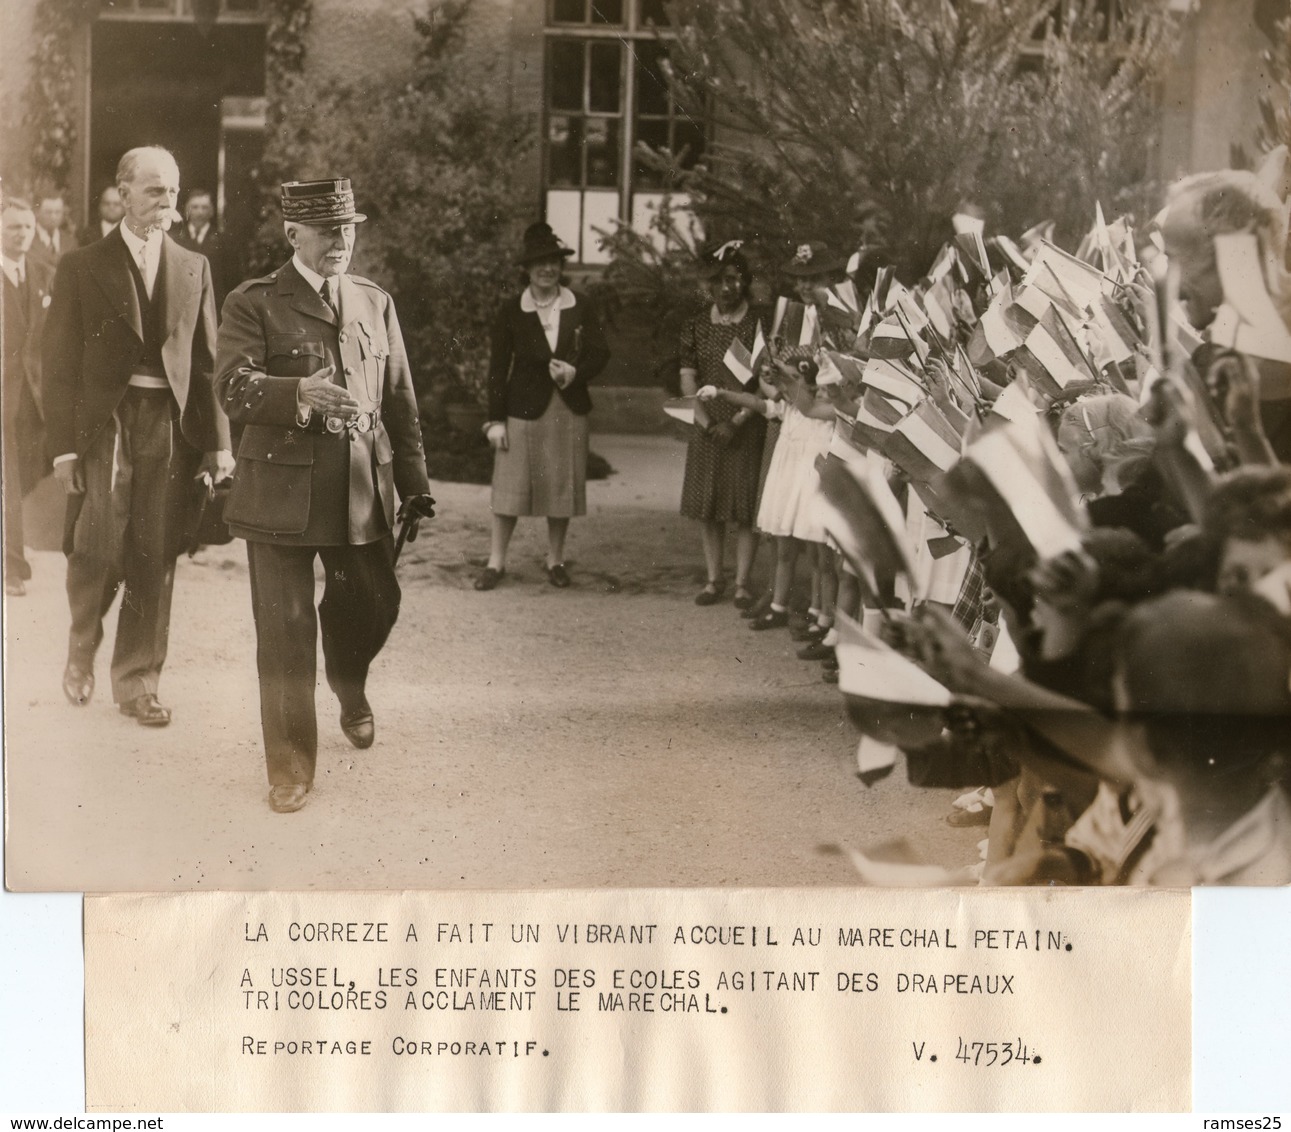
(547,345)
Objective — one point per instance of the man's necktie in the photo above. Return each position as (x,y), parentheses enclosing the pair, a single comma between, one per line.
(143,269)
(325,293)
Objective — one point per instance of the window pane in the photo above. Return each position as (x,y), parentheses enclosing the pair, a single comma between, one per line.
(602,136)
(565,63)
(605,86)
(654,133)
(687,142)
(652,86)
(569,11)
(564,146)
(607,11)
(653,12)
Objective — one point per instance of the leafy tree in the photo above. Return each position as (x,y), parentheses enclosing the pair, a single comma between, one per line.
(432,163)
(851,120)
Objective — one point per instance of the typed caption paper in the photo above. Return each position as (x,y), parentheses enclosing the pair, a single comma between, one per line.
(935,1000)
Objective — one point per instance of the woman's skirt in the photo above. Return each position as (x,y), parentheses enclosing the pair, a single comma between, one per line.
(543,470)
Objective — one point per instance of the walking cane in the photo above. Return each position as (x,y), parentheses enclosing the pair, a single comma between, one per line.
(410,523)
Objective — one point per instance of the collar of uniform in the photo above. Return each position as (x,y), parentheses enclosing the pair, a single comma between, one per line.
(563,302)
(198,234)
(135,244)
(312,277)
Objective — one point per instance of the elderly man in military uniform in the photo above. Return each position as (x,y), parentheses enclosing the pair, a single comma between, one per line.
(311,367)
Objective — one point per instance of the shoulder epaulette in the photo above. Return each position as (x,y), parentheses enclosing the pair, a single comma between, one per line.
(367,283)
(261,281)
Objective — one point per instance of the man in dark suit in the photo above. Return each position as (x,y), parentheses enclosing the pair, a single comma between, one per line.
(132,419)
(27,284)
(53,238)
(312,368)
(198,233)
(110,212)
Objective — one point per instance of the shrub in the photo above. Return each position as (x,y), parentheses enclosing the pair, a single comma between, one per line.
(432,163)
(876,119)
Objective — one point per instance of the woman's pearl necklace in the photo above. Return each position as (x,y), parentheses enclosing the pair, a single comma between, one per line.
(544,309)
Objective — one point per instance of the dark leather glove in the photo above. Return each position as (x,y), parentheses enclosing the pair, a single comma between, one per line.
(413,510)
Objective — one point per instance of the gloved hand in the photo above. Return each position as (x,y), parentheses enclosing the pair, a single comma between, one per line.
(497,435)
(413,510)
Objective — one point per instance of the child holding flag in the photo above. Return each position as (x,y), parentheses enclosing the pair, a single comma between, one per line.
(722,462)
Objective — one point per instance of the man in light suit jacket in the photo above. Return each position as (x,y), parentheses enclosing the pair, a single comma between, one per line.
(27,283)
(312,367)
(132,419)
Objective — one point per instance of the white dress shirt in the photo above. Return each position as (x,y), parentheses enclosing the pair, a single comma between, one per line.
(146,253)
(198,235)
(15,269)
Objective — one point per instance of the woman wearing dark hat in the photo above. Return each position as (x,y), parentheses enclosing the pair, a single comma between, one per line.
(547,345)
(812,266)
(721,482)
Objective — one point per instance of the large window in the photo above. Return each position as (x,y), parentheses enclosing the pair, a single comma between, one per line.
(605,91)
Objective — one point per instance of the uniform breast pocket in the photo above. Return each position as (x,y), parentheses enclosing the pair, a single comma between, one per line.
(375,350)
(294,355)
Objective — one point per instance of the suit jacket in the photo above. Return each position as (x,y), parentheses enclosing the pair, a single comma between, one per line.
(520,383)
(92,233)
(67,242)
(213,249)
(93,340)
(24,322)
(301,485)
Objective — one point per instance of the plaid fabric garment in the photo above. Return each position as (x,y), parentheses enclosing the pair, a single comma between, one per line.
(968,606)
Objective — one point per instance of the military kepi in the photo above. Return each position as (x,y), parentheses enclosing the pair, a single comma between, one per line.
(320,202)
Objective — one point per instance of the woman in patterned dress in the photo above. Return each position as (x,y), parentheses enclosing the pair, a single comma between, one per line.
(721,483)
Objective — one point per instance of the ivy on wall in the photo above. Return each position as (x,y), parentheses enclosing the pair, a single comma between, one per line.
(51,99)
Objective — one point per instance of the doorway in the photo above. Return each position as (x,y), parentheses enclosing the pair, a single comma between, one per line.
(165,83)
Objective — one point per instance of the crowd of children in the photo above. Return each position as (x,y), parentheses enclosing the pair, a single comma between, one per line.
(1044,499)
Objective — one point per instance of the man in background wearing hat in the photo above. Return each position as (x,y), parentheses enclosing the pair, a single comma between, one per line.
(312,368)
(130,409)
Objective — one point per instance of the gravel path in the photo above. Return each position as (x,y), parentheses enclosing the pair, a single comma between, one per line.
(609,735)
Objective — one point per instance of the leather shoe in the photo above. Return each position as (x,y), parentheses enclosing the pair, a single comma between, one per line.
(146,711)
(489,578)
(815,650)
(558,576)
(287,799)
(78,685)
(359,726)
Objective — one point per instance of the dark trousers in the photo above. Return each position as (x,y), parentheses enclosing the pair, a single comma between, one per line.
(138,473)
(359,607)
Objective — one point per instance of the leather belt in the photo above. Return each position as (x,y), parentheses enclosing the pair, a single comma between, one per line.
(364,422)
